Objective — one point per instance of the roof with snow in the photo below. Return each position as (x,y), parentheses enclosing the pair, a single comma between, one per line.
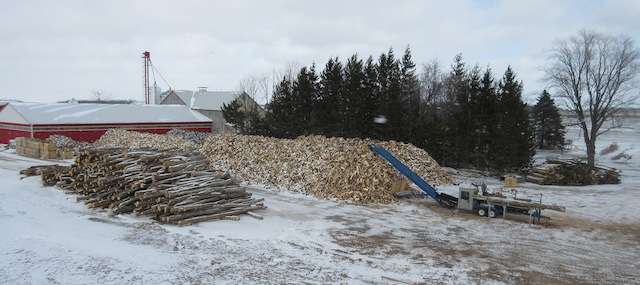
(206,100)
(64,113)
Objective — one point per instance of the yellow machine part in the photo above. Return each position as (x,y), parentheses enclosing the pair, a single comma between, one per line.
(399,185)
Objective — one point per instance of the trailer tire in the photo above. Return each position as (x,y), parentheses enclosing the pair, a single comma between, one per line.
(482,212)
(492,214)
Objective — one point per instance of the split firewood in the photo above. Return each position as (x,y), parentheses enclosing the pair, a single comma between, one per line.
(326,168)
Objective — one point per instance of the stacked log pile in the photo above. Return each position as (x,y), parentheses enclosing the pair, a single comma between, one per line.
(45,172)
(68,144)
(36,148)
(572,172)
(326,168)
(117,138)
(171,187)
(197,138)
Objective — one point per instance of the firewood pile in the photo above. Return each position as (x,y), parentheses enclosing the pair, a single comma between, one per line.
(572,172)
(197,138)
(117,138)
(171,187)
(326,168)
(67,143)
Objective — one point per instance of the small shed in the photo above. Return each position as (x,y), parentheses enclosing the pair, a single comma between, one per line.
(210,103)
(88,122)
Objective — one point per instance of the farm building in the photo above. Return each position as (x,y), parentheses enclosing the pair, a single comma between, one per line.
(88,122)
(210,103)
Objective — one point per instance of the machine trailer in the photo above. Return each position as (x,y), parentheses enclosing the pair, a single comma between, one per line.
(469,199)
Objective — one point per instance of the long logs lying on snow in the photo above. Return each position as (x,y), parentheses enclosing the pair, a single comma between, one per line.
(572,172)
(171,187)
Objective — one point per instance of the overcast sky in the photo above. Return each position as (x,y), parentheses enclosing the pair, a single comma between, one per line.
(58,50)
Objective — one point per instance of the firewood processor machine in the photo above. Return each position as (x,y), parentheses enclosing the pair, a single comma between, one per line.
(469,198)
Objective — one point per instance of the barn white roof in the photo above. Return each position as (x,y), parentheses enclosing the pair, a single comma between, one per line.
(206,100)
(64,113)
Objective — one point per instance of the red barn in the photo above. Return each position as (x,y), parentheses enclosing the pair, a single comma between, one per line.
(88,122)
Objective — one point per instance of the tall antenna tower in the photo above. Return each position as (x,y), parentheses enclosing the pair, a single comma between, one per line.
(146,62)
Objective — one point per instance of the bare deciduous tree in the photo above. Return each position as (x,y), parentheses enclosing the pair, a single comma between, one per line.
(260,87)
(432,87)
(100,96)
(594,74)
(257,86)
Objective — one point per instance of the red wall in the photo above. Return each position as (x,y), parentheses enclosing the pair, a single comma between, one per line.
(6,135)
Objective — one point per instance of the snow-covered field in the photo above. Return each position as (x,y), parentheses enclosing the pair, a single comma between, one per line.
(46,237)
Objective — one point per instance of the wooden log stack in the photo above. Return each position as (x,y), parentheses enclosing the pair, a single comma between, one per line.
(36,148)
(572,172)
(171,187)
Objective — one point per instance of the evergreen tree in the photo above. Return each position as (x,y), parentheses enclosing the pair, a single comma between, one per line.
(355,98)
(388,98)
(330,111)
(514,140)
(459,115)
(305,98)
(282,114)
(256,123)
(547,123)
(410,98)
(484,100)
(372,103)
(470,139)
(233,115)
(293,105)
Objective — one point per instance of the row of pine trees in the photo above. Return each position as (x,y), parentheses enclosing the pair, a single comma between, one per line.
(463,118)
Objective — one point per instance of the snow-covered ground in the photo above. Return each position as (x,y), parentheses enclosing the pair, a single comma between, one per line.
(46,237)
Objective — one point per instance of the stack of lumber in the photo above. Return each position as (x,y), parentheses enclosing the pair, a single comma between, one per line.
(519,203)
(327,168)
(171,187)
(572,172)
(117,138)
(36,148)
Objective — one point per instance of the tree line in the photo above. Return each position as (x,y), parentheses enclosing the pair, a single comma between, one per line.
(463,118)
